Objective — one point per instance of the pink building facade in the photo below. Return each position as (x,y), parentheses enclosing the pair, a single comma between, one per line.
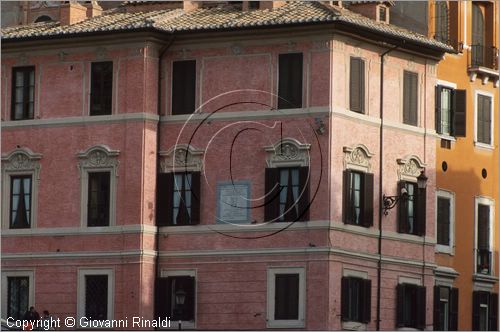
(227,177)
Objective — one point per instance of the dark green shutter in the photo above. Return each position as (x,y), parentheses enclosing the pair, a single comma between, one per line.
(195,198)
(437,310)
(346,197)
(345,299)
(438,91)
(402,210)
(290,80)
(459,113)
(453,317)
(483,227)
(443,221)
(367,199)
(410,98)
(357,85)
(400,301)
(366,301)
(421,211)
(304,184)
(164,198)
(421,307)
(272,194)
(163,303)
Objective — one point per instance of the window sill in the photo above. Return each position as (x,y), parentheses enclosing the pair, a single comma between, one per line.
(484,146)
(487,278)
(447,137)
(442,249)
(277,324)
(353,326)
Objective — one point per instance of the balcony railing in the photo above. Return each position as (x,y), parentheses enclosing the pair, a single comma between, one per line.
(483,56)
(483,261)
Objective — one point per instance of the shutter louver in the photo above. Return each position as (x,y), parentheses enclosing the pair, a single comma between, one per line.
(164,199)
(367,301)
(400,300)
(437,310)
(421,211)
(345,299)
(368,200)
(304,204)
(402,211)
(272,194)
(453,319)
(459,113)
(195,198)
(346,201)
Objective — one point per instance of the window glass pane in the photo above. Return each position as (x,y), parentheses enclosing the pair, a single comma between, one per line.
(17,296)
(19,95)
(96,297)
(19,79)
(286,297)
(483,318)
(445,110)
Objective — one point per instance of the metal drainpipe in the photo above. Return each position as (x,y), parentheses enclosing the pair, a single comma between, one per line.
(381,150)
(158,138)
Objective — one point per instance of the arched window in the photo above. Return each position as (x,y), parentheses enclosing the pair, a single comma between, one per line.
(477,35)
(441,22)
(43,18)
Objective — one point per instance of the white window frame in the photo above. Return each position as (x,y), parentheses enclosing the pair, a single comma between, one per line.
(17,273)
(491,203)
(449,249)
(271,281)
(99,158)
(452,86)
(174,325)
(21,161)
(81,298)
(492,127)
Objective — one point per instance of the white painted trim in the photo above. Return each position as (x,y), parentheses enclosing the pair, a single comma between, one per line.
(354,273)
(464,6)
(17,273)
(491,203)
(79,120)
(492,127)
(409,280)
(447,84)
(67,231)
(271,281)
(77,255)
(450,249)
(81,298)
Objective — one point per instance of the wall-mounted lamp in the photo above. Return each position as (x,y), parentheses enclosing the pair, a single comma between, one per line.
(390,202)
(320,130)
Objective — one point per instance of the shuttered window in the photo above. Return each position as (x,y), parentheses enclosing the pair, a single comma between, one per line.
(23,93)
(357,85)
(17,296)
(450,111)
(101,89)
(410,306)
(483,119)
(443,221)
(96,297)
(410,98)
(484,311)
(445,308)
(356,299)
(178,199)
(176,298)
(441,22)
(358,198)
(98,199)
(183,87)
(483,251)
(412,211)
(287,194)
(290,80)
(20,201)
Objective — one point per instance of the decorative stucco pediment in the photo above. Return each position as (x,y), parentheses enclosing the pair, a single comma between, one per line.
(99,156)
(410,167)
(181,157)
(21,159)
(357,157)
(288,152)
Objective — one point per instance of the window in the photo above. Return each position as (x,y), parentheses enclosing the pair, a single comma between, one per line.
(484,217)
(177,298)
(445,221)
(358,198)
(441,22)
(484,123)
(101,88)
(382,14)
(98,201)
(478,35)
(357,85)
(17,293)
(286,297)
(484,311)
(290,81)
(445,308)
(410,98)
(20,200)
(411,211)
(287,194)
(356,299)
(178,199)
(95,294)
(183,87)
(450,111)
(23,93)
(410,307)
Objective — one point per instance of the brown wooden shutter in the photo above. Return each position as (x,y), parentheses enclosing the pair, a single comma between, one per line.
(367,182)
(357,85)
(437,310)
(162,298)
(487,119)
(304,204)
(453,318)
(290,80)
(402,210)
(443,221)
(400,301)
(272,194)
(190,301)
(164,198)
(183,87)
(366,301)
(346,197)
(476,302)
(493,312)
(410,98)
(421,211)
(345,299)
(195,198)
(421,307)
(453,23)
(437,108)
(483,229)
(459,113)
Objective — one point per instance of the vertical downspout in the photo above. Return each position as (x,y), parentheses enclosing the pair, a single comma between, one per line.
(158,139)
(380,193)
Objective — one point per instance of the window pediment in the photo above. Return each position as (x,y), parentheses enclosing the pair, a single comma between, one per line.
(410,168)
(21,159)
(99,156)
(181,157)
(357,157)
(288,152)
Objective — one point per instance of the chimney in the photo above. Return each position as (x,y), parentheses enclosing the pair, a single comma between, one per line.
(93,9)
(72,12)
(191,5)
(376,10)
